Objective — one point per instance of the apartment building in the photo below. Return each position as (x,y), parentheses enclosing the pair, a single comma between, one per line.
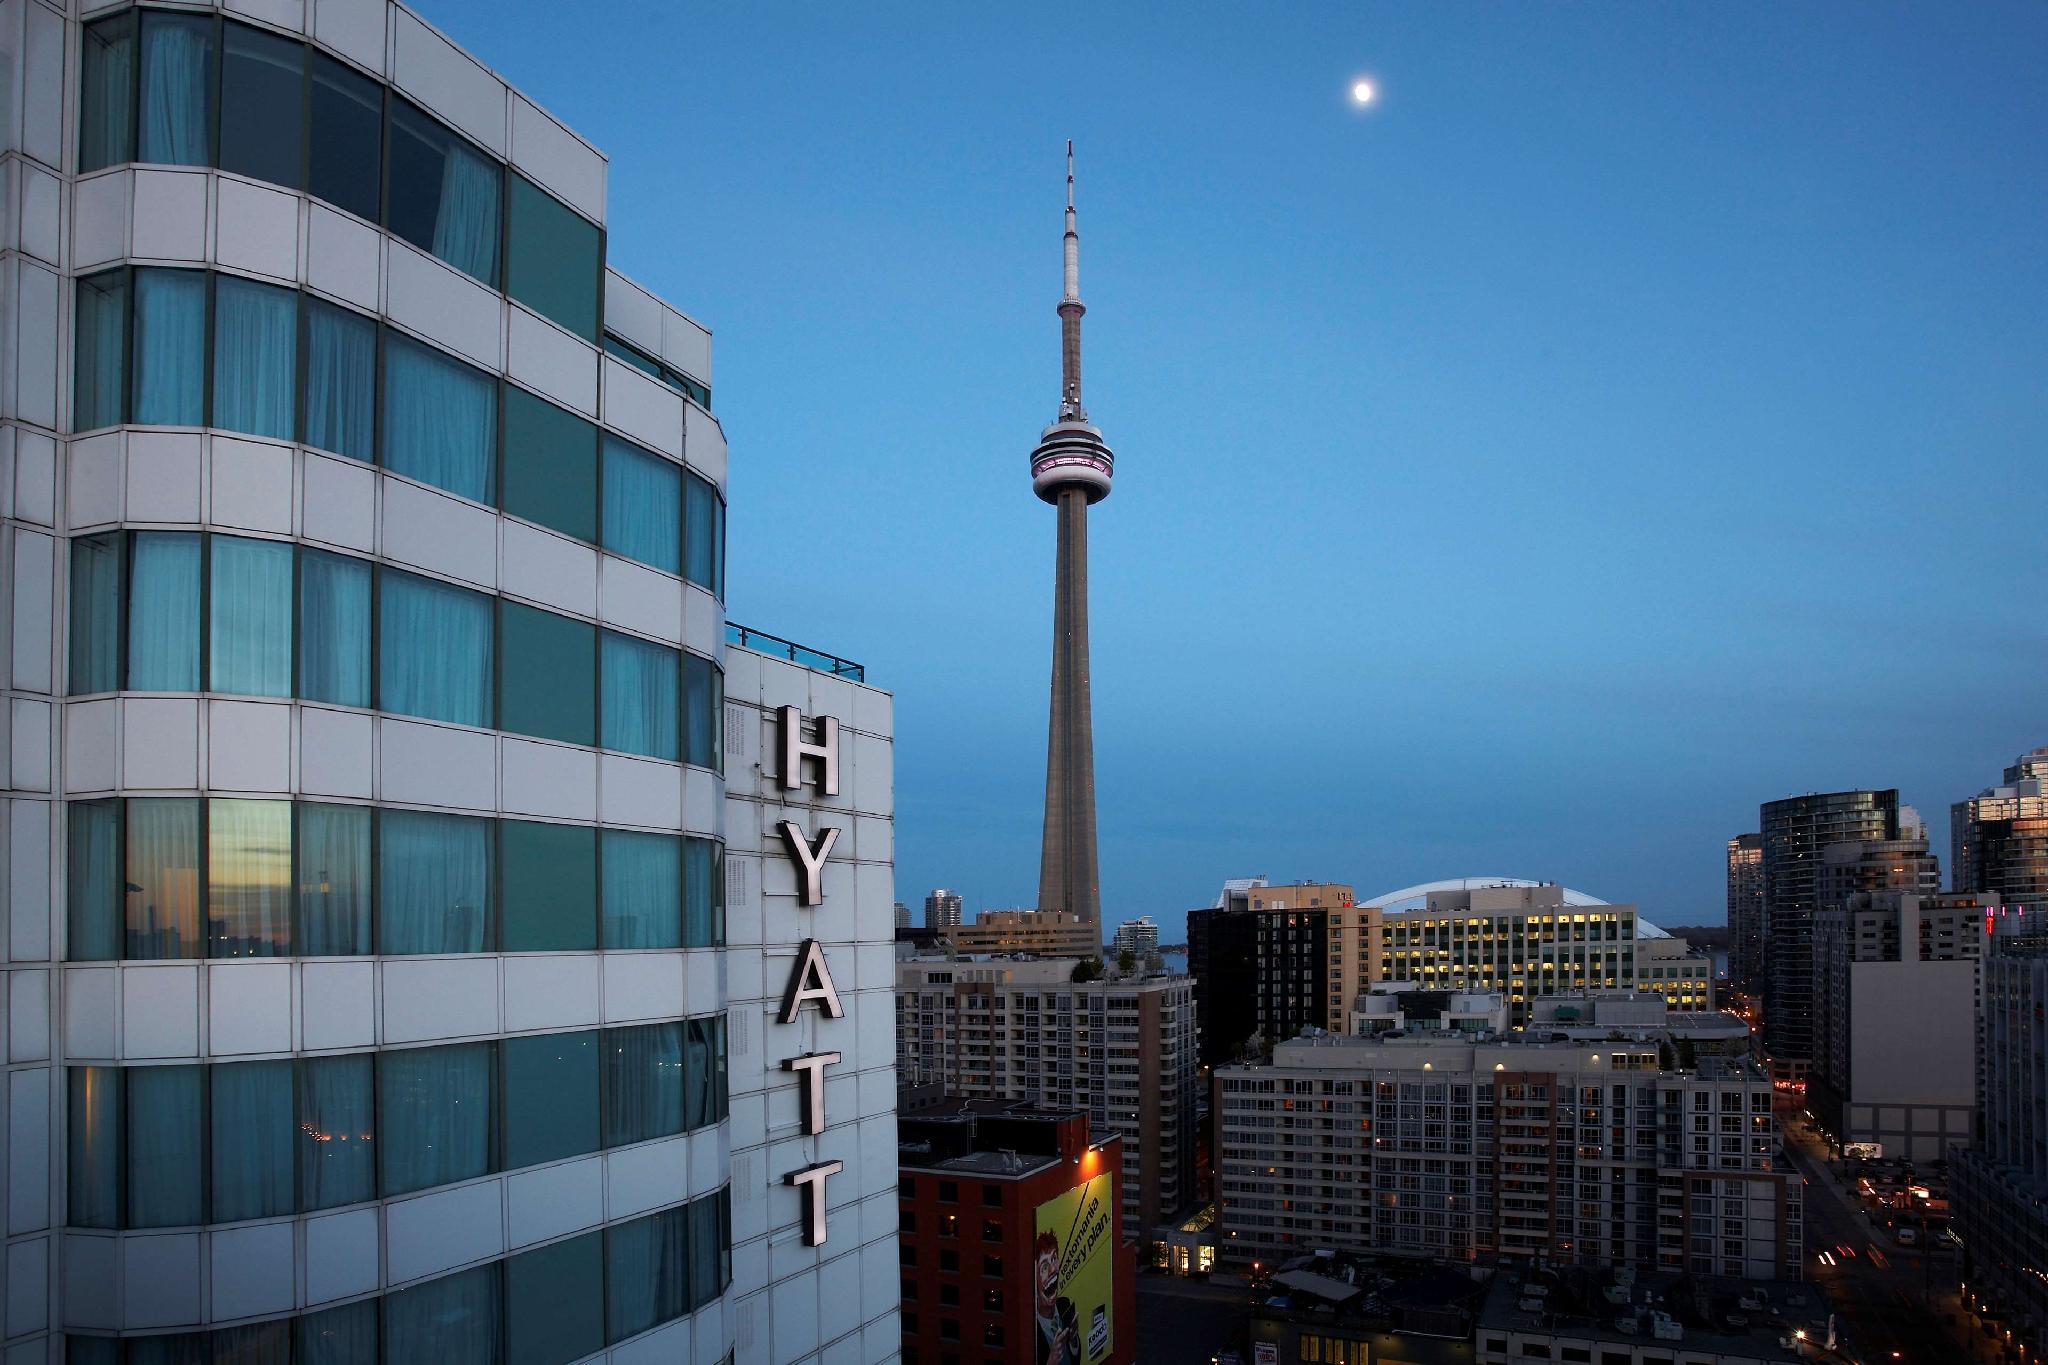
(1049,933)
(1895,1021)
(1577,1153)
(407,956)
(1121,1050)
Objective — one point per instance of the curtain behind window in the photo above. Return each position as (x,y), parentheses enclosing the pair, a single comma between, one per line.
(632,1278)
(106,102)
(94,856)
(699,1106)
(701,927)
(95,614)
(450,1321)
(341,382)
(440,420)
(163,612)
(251,620)
(176,121)
(643,890)
(251,1114)
(466,228)
(99,381)
(162,890)
(434,1118)
(434,655)
(334,629)
(267,1343)
(334,880)
(638,696)
(702,532)
(644,1081)
(432,882)
(170,347)
(339,1336)
(707,1240)
(643,506)
(163,1147)
(255,357)
(336,1118)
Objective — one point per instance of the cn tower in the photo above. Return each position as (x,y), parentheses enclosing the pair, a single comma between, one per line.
(1070,468)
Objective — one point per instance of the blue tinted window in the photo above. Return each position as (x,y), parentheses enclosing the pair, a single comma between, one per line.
(164,1123)
(444,194)
(434,1117)
(341,381)
(550,465)
(99,381)
(93,857)
(106,104)
(704,536)
(553,259)
(643,506)
(333,855)
(96,565)
(170,347)
(163,612)
(644,1081)
(348,138)
(251,617)
(640,710)
(251,1113)
(643,890)
(334,628)
(550,1097)
(162,889)
(434,650)
(549,873)
(336,1131)
(93,1168)
(450,1321)
(175,125)
(550,676)
(263,77)
(248,878)
(554,1302)
(440,420)
(433,882)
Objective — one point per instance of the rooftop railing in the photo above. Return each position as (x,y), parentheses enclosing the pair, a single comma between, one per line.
(761,642)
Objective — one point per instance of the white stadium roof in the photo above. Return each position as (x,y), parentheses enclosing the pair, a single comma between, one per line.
(1414,897)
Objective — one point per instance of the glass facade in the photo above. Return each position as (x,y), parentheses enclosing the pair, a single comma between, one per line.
(172,1146)
(289,366)
(441,652)
(182,1140)
(554,1304)
(309,879)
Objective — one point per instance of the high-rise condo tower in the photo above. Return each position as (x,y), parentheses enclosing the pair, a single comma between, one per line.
(1071,469)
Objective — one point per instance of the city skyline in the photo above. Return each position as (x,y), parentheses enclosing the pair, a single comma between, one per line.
(1636,469)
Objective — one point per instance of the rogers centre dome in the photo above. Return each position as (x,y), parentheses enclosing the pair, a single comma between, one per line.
(1415,897)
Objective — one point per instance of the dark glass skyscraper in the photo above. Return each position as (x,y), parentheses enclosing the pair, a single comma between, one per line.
(1746,913)
(1796,832)
(1999,837)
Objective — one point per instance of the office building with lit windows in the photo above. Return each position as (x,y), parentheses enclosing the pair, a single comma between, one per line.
(1999,837)
(403,901)
(1746,914)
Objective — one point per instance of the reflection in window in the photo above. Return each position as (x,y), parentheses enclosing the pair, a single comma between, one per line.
(444,195)
(163,612)
(550,666)
(643,1083)
(175,117)
(93,1165)
(640,710)
(348,138)
(334,880)
(440,420)
(99,381)
(263,76)
(95,614)
(251,617)
(164,1182)
(251,1127)
(549,876)
(434,1118)
(433,882)
(337,1336)
(553,259)
(334,628)
(162,890)
(249,875)
(170,346)
(106,104)
(643,890)
(255,345)
(550,465)
(643,506)
(337,1149)
(341,381)
(550,1097)
(434,650)
(646,1273)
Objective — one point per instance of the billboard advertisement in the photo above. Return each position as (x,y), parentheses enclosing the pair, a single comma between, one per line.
(1073,1275)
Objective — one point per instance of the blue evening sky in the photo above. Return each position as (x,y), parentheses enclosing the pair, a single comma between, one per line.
(1639,414)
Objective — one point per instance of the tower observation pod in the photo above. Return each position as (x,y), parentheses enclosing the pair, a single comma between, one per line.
(1071,468)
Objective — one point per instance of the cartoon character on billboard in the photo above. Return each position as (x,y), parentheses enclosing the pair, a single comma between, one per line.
(1059,1327)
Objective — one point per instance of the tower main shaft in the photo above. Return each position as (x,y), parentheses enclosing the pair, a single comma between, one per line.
(1071,469)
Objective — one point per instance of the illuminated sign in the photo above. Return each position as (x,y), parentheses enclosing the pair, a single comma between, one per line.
(1073,1274)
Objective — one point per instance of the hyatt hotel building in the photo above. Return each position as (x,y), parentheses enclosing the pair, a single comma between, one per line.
(432,932)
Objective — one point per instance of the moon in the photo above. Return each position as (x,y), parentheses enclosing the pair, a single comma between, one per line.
(1363,92)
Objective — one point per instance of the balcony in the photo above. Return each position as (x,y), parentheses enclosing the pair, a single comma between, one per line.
(775,647)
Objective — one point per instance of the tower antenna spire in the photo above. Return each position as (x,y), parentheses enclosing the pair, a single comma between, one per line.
(1070,312)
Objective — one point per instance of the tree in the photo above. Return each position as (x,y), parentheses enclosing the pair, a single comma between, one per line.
(1688,1055)
(1127,962)
(1087,969)
(1665,1059)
